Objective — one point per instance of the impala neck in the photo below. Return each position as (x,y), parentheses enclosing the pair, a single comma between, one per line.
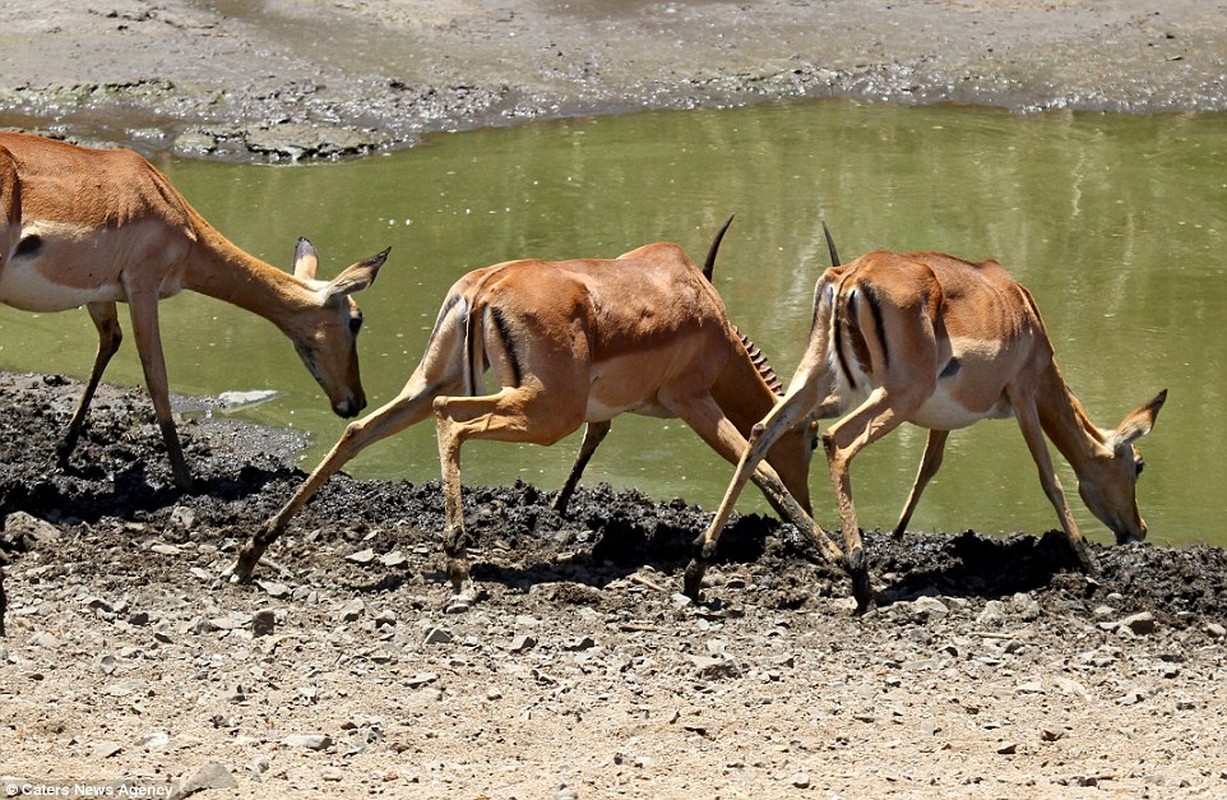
(222,270)
(1065,421)
(743,394)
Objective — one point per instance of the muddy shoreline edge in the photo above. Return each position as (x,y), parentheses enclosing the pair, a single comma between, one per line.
(303,80)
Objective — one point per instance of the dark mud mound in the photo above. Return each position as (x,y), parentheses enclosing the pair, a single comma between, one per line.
(119,490)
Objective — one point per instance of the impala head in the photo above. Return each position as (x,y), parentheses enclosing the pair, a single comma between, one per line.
(327,333)
(1109,485)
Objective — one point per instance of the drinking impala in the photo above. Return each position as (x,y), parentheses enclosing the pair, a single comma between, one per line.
(94,228)
(940,342)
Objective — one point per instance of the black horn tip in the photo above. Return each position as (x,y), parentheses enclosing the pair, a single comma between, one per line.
(709,263)
(835,262)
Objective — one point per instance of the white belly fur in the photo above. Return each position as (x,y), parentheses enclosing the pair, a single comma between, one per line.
(23,286)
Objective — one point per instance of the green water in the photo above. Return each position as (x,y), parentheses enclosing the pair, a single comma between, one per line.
(1116,223)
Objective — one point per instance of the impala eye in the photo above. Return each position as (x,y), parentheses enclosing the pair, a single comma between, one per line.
(1138,466)
(355,324)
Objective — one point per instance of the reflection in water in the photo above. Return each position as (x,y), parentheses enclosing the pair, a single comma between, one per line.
(1116,224)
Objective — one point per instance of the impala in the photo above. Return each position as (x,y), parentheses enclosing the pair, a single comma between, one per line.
(942,343)
(570,342)
(93,228)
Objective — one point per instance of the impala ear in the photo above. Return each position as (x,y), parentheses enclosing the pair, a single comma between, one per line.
(356,277)
(1138,423)
(306,260)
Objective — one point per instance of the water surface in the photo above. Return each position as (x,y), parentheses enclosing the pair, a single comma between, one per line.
(1116,223)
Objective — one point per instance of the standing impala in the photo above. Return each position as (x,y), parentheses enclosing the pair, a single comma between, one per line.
(93,228)
(572,342)
(942,343)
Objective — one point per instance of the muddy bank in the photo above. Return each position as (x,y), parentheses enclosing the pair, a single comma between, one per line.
(990,669)
(286,80)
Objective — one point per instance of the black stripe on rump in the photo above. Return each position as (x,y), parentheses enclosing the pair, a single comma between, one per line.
(875,310)
(839,301)
(508,342)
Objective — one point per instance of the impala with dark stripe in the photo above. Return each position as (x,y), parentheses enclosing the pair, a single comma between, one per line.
(570,342)
(942,343)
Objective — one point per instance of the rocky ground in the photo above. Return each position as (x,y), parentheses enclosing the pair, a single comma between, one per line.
(990,668)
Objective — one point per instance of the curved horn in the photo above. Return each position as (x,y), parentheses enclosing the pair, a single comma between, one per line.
(835,262)
(709,263)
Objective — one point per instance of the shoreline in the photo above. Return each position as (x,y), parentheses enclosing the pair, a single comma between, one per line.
(317,79)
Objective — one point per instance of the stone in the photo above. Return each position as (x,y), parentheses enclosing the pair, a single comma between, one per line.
(155,740)
(106,749)
(522,643)
(352,610)
(438,636)
(308,741)
(993,615)
(1141,624)
(274,589)
(263,622)
(929,607)
(20,525)
(365,556)
(394,559)
(183,517)
(421,679)
(210,775)
(1025,606)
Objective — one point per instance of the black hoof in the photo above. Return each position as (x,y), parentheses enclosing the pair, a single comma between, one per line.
(692,580)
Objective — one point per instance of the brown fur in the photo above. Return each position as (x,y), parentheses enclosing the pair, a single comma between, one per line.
(942,342)
(569,342)
(97,227)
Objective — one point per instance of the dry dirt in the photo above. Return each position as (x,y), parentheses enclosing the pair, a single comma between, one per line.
(990,669)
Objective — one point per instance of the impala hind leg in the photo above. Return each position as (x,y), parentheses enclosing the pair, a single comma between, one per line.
(594,434)
(876,417)
(930,463)
(411,406)
(514,414)
(106,319)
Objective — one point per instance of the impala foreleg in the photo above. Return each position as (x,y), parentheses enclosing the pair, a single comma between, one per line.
(106,319)
(594,434)
(411,406)
(146,330)
(797,408)
(930,463)
(1027,414)
(707,419)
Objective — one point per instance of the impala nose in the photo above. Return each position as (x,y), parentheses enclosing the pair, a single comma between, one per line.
(349,407)
(1130,534)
